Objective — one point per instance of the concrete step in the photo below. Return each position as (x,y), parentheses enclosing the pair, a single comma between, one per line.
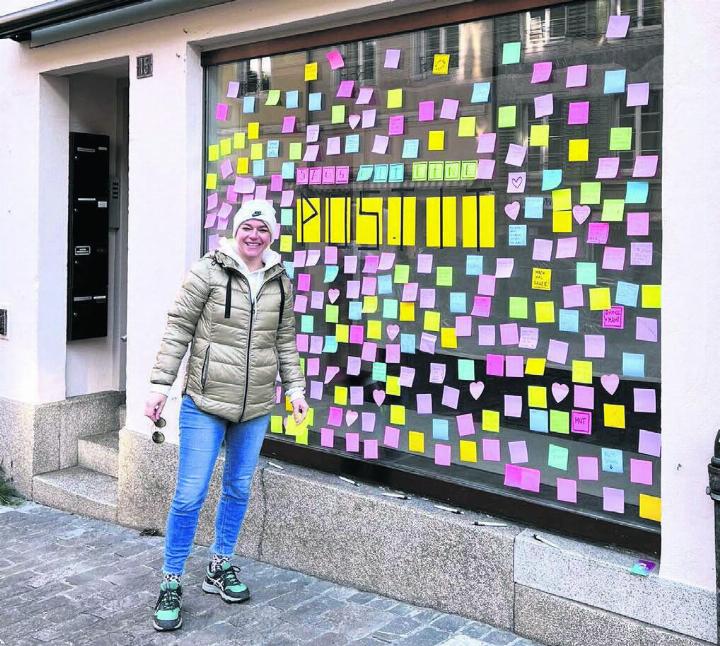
(78,490)
(122,414)
(100,452)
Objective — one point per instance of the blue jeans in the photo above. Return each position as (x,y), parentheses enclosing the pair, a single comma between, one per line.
(201,435)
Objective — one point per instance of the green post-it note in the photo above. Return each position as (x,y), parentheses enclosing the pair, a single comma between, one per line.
(560,421)
(444,277)
(332,313)
(466,369)
(620,138)
(401,274)
(590,192)
(436,171)
(452,170)
(506,116)
(511,53)
(557,457)
(273,97)
(466,127)
(419,171)
(468,170)
(586,273)
(295,150)
(613,210)
(337,114)
(518,307)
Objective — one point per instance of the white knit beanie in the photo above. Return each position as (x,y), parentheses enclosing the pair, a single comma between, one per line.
(256,210)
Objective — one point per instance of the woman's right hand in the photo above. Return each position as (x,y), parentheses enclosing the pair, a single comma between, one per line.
(154,406)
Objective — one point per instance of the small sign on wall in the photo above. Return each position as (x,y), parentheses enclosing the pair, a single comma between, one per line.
(144,66)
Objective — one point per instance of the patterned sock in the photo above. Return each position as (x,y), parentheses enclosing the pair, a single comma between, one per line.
(167,578)
(217,561)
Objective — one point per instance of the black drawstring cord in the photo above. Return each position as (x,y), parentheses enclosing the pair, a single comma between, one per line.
(228,296)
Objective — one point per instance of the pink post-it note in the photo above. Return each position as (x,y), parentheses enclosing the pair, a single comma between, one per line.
(614,317)
(327,437)
(649,443)
(557,351)
(513,406)
(368,118)
(614,500)
(485,169)
(486,142)
(541,72)
(566,490)
(542,249)
(522,477)
(518,452)
(481,306)
(607,167)
(645,166)
(335,416)
(365,95)
(345,89)
(587,467)
(614,258)
(380,144)
(638,94)
(641,471)
(598,232)
(352,442)
(370,449)
(288,124)
(638,224)
(576,76)
(222,111)
(463,326)
(509,334)
(581,422)
(391,437)
(495,365)
(392,59)
(450,397)
(449,108)
(486,285)
(543,105)
(465,424)
(334,57)
(617,26)
(566,248)
(426,111)
(491,450)
(276,183)
(396,125)
(333,146)
(514,366)
(442,455)
(584,396)
(646,329)
(578,112)
(645,400)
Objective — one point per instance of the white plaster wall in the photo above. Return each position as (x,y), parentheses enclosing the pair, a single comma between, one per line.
(691,283)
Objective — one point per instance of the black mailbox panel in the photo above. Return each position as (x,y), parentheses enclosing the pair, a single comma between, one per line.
(88,236)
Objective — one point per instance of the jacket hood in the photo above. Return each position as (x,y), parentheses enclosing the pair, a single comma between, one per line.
(227,255)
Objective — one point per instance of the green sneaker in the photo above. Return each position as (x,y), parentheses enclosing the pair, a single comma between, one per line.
(167,609)
(225,583)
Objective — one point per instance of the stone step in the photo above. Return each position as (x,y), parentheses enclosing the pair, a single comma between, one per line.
(122,414)
(100,452)
(78,490)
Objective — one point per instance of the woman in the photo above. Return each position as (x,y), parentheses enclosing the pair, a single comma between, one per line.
(235,309)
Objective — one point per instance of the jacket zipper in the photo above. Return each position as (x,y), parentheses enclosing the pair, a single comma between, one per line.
(206,364)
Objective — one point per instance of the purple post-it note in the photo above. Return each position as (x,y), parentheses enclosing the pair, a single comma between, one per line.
(638,94)
(485,169)
(327,437)
(649,443)
(587,467)
(641,471)
(638,224)
(646,329)
(584,396)
(542,249)
(442,455)
(566,490)
(380,144)
(617,26)
(370,449)
(645,166)
(543,105)
(578,112)
(566,248)
(576,76)
(541,72)
(645,400)
(424,403)
(491,450)
(607,167)
(352,442)
(557,351)
(364,96)
(515,155)
(614,500)
(391,437)
(614,258)
(513,405)
(486,142)
(518,452)
(345,89)
(392,59)
(449,108)
(465,424)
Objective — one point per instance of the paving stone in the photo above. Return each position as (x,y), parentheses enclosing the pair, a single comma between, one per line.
(499,638)
(425,637)
(476,629)
(451,623)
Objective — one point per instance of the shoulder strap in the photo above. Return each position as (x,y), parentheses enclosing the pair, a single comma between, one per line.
(278,278)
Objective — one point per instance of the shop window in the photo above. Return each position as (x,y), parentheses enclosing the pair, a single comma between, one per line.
(476,255)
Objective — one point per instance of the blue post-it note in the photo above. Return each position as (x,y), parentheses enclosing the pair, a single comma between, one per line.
(614,82)
(636,192)
(331,273)
(352,143)
(612,460)
(396,173)
(474,265)
(315,101)
(355,310)
(458,302)
(273,148)
(248,104)
(586,273)
(286,217)
(410,148)
(517,235)
(364,173)
(480,93)
(534,208)
(380,173)
(407,343)
(292,99)
(569,320)
(289,269)
(626,294)
(539,420)
(633,365)
(258,167)
(440,429)
(384,284)
(390,308)
(551,178)
(287,170)
(331,344)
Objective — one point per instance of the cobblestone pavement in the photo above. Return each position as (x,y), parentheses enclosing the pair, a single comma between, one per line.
(65,579)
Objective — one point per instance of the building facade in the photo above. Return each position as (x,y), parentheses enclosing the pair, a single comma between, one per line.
(481,208)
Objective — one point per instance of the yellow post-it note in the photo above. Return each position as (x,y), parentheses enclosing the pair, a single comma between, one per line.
(397,414)
(651,296)
(392,385)
(562,222)
(507,115)
(291,428)
(342,332)
(539,135)
(239,140)
(535,366)
(650,507)
(448,337)
(286,243)
(620,138)
(341,395)
(545,312)
(211,181)
(614,415)
(600,298)
(466,127)
(537,396)
(395,98)
(256,151)
(301,436)
(541,278)
(518,307)
(276,425)
(578,150)
(311,71)
(253,130)
(582,371)
(370,304)
(562,199)
(374,330)
(491,421)
(416,441)
(407,311)
(441,63)
(213,152)
(468,451)
(436,140)
(243,165)
(226,146)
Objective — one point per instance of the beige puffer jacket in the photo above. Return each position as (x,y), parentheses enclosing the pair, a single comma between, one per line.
(237,348)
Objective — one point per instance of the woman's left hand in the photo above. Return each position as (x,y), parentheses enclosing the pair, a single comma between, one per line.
(300,409)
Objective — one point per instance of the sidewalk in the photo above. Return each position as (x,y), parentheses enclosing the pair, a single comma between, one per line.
(65,579)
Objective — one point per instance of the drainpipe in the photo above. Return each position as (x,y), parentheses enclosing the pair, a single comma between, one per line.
(714,492)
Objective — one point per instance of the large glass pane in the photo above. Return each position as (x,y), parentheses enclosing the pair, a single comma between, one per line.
(471,218)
